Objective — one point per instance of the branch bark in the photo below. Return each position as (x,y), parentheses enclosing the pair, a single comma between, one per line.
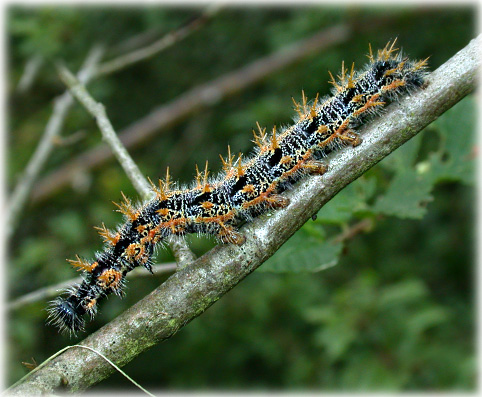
(194,288)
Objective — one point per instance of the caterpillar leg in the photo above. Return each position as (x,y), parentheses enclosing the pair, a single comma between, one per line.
(350,137)
(315,167)
(277,201)
(228,235)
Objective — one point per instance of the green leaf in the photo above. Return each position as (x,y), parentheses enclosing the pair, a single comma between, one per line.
(67,226)
(404,156)
(406,197)
(304,253)
(406,291)
(427,318)
(351,199)
(336,338)
(411,187)
(456,159)
(368,371)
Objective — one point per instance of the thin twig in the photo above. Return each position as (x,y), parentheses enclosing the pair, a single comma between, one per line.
(351,232)
(183,254)
(191,290)
(28,77)
(53,290)
(204,95)
(179,246)
(54,126)
(149,51)
(97,110)
(133,43)
(62,104)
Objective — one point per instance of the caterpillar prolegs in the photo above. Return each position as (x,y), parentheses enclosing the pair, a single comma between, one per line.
(246,187)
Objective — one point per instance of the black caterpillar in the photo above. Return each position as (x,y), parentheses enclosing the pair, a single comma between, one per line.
(246,188)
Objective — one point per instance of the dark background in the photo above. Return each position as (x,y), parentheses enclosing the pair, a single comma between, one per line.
(395,314)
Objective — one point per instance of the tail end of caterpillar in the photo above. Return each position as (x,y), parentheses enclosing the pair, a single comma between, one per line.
(62,313)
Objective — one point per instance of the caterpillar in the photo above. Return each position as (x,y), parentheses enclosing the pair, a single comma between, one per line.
(245,188)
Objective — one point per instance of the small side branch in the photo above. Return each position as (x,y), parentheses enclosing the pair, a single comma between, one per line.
(183,254)
(30,73)
(62,105)
(149,51)
(97,110)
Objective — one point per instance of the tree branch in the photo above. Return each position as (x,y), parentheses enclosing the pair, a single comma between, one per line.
(97,110)
(190,291)
(166,41)
(30,73)
(62,104)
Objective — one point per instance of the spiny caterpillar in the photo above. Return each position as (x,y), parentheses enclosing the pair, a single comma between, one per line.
(246,188)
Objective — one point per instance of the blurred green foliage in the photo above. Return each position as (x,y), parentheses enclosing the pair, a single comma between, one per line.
(396,313)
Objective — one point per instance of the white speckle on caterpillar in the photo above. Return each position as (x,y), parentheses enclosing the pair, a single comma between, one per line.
(248,185)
